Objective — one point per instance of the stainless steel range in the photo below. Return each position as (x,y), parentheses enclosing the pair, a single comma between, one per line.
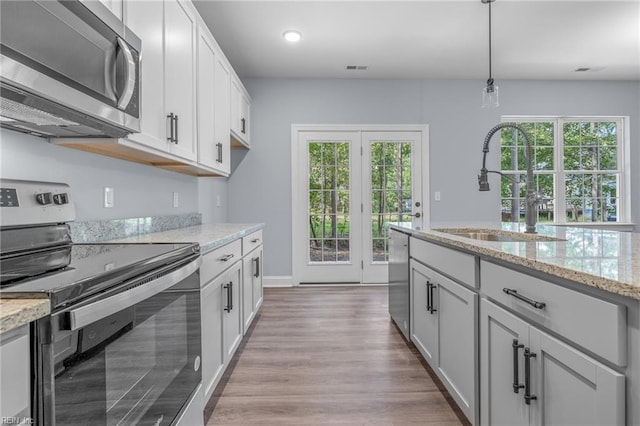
(122,343)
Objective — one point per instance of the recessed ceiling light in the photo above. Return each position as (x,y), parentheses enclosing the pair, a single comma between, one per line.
(292,36)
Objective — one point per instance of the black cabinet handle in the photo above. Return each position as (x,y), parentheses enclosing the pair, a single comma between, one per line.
(527,376)
(171,127)
(229,288)
(516,380)
(244,123)
(226,257)
(514,293)
(219,159)
(428,295)
(256,261)
(255,240)
(431,287)
(176,139)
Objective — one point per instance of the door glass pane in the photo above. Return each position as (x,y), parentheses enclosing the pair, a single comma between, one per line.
(328,201)
(391,188)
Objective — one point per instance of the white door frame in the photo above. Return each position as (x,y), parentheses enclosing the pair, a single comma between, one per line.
(296,150)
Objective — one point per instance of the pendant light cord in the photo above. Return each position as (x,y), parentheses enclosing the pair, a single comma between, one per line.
(490,75)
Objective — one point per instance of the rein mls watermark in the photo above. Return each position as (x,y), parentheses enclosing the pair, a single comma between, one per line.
(17,421)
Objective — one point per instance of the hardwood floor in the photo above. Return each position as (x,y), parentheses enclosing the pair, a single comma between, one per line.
(328,355)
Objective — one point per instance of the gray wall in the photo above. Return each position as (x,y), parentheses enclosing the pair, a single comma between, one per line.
(139,190)
(457,128)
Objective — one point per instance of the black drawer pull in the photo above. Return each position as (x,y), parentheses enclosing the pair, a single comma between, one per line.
(516,380)
(255,240)
(527,376)
(514,293)
(227,257)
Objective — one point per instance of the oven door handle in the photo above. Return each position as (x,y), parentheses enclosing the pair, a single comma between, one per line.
(85,315)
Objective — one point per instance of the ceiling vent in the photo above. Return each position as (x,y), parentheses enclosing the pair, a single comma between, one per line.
(357,67)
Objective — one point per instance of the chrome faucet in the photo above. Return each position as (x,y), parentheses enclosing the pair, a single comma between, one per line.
(532,197)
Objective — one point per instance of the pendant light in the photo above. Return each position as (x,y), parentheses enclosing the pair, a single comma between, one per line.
(490,92)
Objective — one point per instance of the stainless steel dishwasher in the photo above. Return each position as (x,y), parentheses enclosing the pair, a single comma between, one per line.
(399,280)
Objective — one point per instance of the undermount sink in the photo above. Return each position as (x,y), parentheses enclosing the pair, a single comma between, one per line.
(496,235)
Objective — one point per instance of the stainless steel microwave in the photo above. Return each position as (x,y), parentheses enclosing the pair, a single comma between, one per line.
(68,68)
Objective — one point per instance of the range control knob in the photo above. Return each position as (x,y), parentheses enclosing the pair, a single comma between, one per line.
(43,198)
(61,198)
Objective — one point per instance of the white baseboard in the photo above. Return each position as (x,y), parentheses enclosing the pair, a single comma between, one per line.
(277,281)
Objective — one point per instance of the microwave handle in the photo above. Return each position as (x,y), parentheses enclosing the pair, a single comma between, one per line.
(129,75)
(88,314)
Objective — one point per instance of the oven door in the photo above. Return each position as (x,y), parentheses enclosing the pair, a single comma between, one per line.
(127,358)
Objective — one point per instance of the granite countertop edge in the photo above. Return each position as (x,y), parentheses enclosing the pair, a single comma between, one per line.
(209,237)
(489,249)
(18,311)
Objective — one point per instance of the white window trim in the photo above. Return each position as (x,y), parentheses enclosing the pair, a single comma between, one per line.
(624,141)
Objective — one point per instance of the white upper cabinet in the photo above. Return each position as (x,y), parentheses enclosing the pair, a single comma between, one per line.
(213,106)
(114,6)
(240,114)
(167,30)
(179,32)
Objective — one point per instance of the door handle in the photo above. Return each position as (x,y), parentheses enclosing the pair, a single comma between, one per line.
(516,380)
(171,128)
(428,295)
(430,288)
(129,75)
(244,123)
(219,159)
(256,261)
(527,376)
(176,139)
(229,288)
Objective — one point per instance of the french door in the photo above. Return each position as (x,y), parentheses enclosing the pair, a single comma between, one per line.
(347,187)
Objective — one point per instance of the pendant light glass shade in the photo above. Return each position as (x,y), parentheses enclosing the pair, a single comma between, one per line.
(490,95)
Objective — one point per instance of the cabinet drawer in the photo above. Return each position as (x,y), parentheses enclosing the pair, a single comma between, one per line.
(216,261)
(453,263)
(592,323)
(251,241)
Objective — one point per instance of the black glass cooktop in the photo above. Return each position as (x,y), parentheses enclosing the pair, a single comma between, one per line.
(71,272)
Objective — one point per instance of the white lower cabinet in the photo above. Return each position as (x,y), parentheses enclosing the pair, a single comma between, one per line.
(443,324)
(212,298)
(530,378)
(232,311)
(251,286)
(15,388)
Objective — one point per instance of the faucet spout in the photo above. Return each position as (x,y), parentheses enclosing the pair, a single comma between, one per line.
(532,198)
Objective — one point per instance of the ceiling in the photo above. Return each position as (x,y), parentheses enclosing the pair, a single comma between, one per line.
(428,39)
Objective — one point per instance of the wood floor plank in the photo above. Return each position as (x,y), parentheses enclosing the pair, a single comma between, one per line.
(328,355)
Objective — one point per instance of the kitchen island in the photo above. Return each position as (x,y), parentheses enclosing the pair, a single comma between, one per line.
(530,329)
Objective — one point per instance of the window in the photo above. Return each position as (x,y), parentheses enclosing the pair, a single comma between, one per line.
(579,169)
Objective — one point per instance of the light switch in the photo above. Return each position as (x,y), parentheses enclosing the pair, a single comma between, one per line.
(108,197)
(436,195)
(176,199)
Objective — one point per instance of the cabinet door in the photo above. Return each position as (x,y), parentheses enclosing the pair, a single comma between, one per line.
(424,323)
(247,292)
(222,112)
(499,404)
(235,108)
(115,6)
(457,309)
(232,310)
(257,278)
(245,111)
(145,18)
(572,388)
(179,32)
(208,153)
(15,372)
(212,301)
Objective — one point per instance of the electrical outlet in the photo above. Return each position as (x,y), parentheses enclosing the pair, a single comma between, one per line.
(436,196)
(108,197)
(176,199)
(218,202)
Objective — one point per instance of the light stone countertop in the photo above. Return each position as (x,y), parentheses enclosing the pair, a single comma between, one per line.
(605,259)
(19,311)
(209,236)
